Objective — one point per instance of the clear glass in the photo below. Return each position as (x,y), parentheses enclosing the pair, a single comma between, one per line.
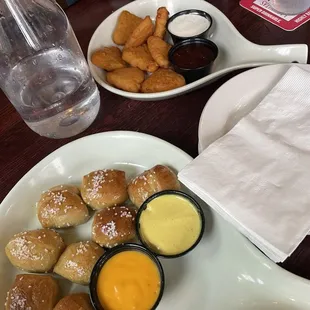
(43,71)
(290,7)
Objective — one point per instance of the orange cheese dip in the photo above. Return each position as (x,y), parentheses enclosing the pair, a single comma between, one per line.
(129,280)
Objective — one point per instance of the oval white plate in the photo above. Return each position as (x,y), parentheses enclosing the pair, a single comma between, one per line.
(224,272)
(235,99)
(235,51)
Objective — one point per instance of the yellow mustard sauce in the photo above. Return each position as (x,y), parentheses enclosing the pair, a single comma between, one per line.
(170,224)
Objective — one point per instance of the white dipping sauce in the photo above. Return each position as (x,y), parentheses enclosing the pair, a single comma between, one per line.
(188,25)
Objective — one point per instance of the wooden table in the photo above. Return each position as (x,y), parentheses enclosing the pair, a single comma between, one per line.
(175,120)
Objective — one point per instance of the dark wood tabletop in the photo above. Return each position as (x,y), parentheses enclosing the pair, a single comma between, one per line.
(174,120)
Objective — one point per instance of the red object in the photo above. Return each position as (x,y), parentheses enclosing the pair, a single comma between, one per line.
(263,9)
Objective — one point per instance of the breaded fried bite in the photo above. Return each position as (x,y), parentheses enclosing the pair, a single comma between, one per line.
(128,79)
(126,24)
(108,58)
(161,22)
(140,57)
(159,50)
(141,33)
(162,80)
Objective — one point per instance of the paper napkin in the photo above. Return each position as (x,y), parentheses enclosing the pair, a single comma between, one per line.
(257,176)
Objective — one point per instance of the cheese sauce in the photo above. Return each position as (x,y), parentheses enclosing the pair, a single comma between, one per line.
(129,280)
(170,224)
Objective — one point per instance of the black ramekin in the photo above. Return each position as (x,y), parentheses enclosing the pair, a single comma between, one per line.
(177,193)
(109,254)
(203,34)
(193,74)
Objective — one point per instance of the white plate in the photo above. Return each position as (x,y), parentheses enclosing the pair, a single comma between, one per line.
(235,52)
(235,99)
(224,272)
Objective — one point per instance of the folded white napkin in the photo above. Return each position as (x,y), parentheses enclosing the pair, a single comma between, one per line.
(257,176)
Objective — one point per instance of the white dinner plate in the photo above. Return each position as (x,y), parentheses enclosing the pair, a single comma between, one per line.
(224,272)
(237,98)
(235,52)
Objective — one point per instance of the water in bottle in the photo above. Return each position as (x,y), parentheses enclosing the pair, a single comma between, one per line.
(45,74)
